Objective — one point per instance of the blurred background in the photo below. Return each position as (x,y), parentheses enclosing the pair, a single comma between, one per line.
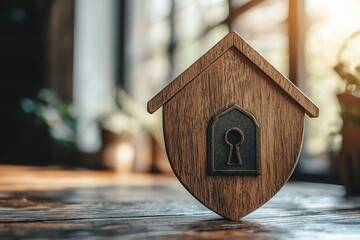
(76,74)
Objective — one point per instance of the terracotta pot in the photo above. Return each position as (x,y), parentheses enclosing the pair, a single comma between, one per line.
(118,151)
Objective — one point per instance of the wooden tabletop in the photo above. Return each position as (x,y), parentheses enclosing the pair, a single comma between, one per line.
(44,203)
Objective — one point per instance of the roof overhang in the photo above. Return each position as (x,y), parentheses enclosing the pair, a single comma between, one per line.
(232,40)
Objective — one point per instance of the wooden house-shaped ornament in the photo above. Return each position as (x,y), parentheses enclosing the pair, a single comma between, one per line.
(233,127)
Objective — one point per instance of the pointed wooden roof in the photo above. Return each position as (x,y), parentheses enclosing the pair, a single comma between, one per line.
(232,40)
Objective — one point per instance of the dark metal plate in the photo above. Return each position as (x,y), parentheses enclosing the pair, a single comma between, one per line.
(233,143)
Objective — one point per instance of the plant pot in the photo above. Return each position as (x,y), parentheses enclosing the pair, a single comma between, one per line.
(118,152)
(350,151)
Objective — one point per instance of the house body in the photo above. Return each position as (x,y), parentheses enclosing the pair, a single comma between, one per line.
(232,75)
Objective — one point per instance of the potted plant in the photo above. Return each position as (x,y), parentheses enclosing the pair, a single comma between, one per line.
(49,126)
(117,131)
(349,100)
(152,133)
(131,138)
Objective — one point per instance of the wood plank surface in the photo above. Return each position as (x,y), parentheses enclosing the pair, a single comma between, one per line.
(42,203)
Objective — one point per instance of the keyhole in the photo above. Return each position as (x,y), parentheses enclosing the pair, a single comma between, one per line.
(234,137)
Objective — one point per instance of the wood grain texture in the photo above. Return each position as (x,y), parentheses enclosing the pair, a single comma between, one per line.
(229,41)
(230,80)
(43,203)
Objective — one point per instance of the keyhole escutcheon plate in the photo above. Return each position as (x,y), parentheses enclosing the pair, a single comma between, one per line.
(233,143)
